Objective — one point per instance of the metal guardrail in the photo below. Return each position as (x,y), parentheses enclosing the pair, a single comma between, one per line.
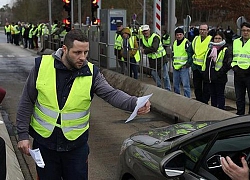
(143,65)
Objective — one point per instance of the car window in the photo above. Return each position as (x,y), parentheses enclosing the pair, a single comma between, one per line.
(193,151)
(234,146)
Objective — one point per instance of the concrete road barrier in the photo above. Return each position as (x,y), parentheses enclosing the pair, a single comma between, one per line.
(168,103)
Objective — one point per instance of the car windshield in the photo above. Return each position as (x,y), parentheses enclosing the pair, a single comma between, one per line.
(168,133)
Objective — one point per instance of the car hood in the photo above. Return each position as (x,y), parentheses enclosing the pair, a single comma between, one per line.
(169,133)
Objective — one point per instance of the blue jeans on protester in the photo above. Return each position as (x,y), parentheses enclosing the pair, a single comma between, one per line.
(133,68)
(67,165)
(182,76)
(166,79)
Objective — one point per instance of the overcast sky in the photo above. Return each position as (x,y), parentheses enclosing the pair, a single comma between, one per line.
(4,2)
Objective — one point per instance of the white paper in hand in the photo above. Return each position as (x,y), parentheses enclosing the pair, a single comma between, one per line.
(36,155)
(141,101)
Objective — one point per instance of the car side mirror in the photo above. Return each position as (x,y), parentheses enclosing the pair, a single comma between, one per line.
(173,164)
(214,162)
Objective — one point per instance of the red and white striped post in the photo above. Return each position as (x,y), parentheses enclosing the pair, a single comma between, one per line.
(157,17)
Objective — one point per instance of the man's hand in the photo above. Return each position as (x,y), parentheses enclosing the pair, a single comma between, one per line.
(234,171)
(24,146)
(145,109)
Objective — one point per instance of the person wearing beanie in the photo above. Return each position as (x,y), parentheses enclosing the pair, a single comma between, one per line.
(180,67)
(215,68)
(153,48)
(196,58)
(129,52)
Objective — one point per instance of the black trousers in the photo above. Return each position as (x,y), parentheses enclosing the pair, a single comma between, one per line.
(201,88)
(67,165)
(241,84)
(217,92)
(2,159)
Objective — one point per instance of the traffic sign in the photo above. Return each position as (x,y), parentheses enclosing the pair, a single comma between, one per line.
(240,20)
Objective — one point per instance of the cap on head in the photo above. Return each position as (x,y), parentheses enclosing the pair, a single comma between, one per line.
(119,23)
(179,30)
(145,27)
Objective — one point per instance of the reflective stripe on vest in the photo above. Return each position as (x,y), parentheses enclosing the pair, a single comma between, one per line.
(74,116)
(200,49)
(148,43)
(54,115)
(180,55)
(241,55)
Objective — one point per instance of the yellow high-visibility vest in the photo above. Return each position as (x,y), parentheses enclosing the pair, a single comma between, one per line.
(74,116)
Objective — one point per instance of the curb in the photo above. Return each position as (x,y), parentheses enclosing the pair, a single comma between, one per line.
(13,167)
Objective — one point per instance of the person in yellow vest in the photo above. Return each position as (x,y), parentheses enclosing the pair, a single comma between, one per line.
(35,36)
(17,34)
(26,36)
(153,48)
(196,58)
(130,51)
(54,26)
(217,64)
(241,67)
(55,108)
(165,39)
(7,31)
(12,33)
(31,41)
(180,70)
(118,46)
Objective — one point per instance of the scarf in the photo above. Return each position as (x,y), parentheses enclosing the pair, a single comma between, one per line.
(215,47)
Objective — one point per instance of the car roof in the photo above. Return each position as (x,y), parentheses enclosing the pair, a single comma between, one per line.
(231,122)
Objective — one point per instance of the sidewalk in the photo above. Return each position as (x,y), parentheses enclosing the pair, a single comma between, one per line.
(13,167)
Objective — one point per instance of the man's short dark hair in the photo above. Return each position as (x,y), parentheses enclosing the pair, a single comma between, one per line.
(72,35)
(247,24)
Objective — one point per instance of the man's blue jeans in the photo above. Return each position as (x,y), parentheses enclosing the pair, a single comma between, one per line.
(182,76)
(166,79)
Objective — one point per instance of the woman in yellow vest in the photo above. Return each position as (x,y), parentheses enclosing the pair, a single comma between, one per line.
(130,51)
(215,68)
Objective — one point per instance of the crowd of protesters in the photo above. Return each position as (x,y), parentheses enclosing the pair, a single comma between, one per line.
(29,34)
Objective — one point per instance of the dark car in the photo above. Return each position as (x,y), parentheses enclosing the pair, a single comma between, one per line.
(189,150)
